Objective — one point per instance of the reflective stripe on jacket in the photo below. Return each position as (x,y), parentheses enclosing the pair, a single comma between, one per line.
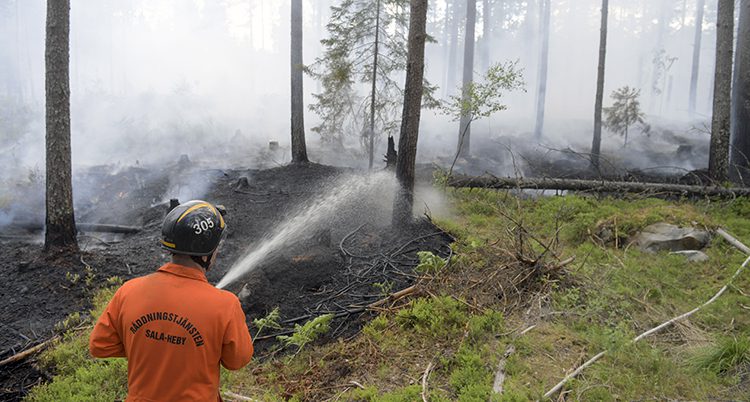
(175,329)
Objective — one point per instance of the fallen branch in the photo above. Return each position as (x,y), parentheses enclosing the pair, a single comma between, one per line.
(393,297)
(83,227)
(733,241)
(238,397)
(28,352)
(424,381)
(596,186)
(497,385)
(591,361)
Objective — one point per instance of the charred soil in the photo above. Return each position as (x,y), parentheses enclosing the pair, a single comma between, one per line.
(350,260)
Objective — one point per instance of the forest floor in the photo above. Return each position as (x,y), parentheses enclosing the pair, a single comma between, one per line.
(510,300)
(308,277)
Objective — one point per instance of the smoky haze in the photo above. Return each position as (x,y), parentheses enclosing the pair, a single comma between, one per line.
(154,79)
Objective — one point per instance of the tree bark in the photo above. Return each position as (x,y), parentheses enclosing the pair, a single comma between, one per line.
(450,82)
(374,80)
(718,159)
(407,143)
(299,149)
(696,56)
(741,98)
(596,186)
(541,94)
(597,143)
(464,130)
(486,33)
(59,221)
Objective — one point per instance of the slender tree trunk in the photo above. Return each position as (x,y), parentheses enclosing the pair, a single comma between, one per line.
(696,56)
(374,80)
(453,51)
(464,131)
(407,143)
(60,221)
(299,150)
(486,33)
(718,159)
(741,98)
(448,24)
(541,94)
(597,143)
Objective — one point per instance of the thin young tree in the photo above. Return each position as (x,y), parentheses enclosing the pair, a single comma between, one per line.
(60,221)
(597,143)
(696,56)
(414,88)
(464,129)
(541,94)
(363,54)
(299,150)
(741,98)
(718,158)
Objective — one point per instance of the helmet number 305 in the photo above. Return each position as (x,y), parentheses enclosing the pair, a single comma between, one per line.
(202,225)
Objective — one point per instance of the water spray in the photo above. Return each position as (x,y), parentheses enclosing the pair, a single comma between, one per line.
(304,223)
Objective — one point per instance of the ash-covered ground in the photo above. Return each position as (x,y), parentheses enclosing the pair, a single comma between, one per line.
(312,275)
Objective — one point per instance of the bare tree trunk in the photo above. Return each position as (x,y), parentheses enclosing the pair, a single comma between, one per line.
(299,149)
(741,98)
(60,221)
(696,56)
(453,51)
(597,143)
(718,159)
(541,94)
(374,80)
(464,131)
(486,33)
(407,142)
(448,24)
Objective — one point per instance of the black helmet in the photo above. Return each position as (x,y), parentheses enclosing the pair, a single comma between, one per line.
(192,228)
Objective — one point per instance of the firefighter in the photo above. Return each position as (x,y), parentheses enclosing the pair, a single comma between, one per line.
(172,326)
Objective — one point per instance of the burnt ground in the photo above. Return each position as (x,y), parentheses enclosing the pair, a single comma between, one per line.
(315,275)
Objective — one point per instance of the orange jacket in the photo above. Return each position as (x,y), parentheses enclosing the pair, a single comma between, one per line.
(174,328)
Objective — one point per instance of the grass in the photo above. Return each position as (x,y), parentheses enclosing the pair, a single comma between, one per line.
(608,295)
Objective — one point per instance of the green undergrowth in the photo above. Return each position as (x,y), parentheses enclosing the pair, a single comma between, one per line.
(608,295)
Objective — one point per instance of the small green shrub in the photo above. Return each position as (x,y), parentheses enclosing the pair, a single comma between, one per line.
(727,355)
(433,317)
(309,332)
(429,263)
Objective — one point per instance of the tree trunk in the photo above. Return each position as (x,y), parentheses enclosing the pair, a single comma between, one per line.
(598,186)
(407,143)
(299,150)
(60,221)
(541,94)
(374,81)
(597,143)
(464,131)
(486,33)
(718,159)
(696,56)
(450,82)
(741,98)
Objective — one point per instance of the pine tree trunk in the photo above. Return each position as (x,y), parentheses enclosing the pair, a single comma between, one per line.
(450,82)
(374,81)
(446,43)
(464,131)
(60,221)
(597,143)
(486,33)
(541,94)
(741,99)
(718,159)
(696,56)
(299,150)
(407,143)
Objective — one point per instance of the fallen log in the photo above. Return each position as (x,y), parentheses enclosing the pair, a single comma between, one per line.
(599,186)
(83,227)
(28,352)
